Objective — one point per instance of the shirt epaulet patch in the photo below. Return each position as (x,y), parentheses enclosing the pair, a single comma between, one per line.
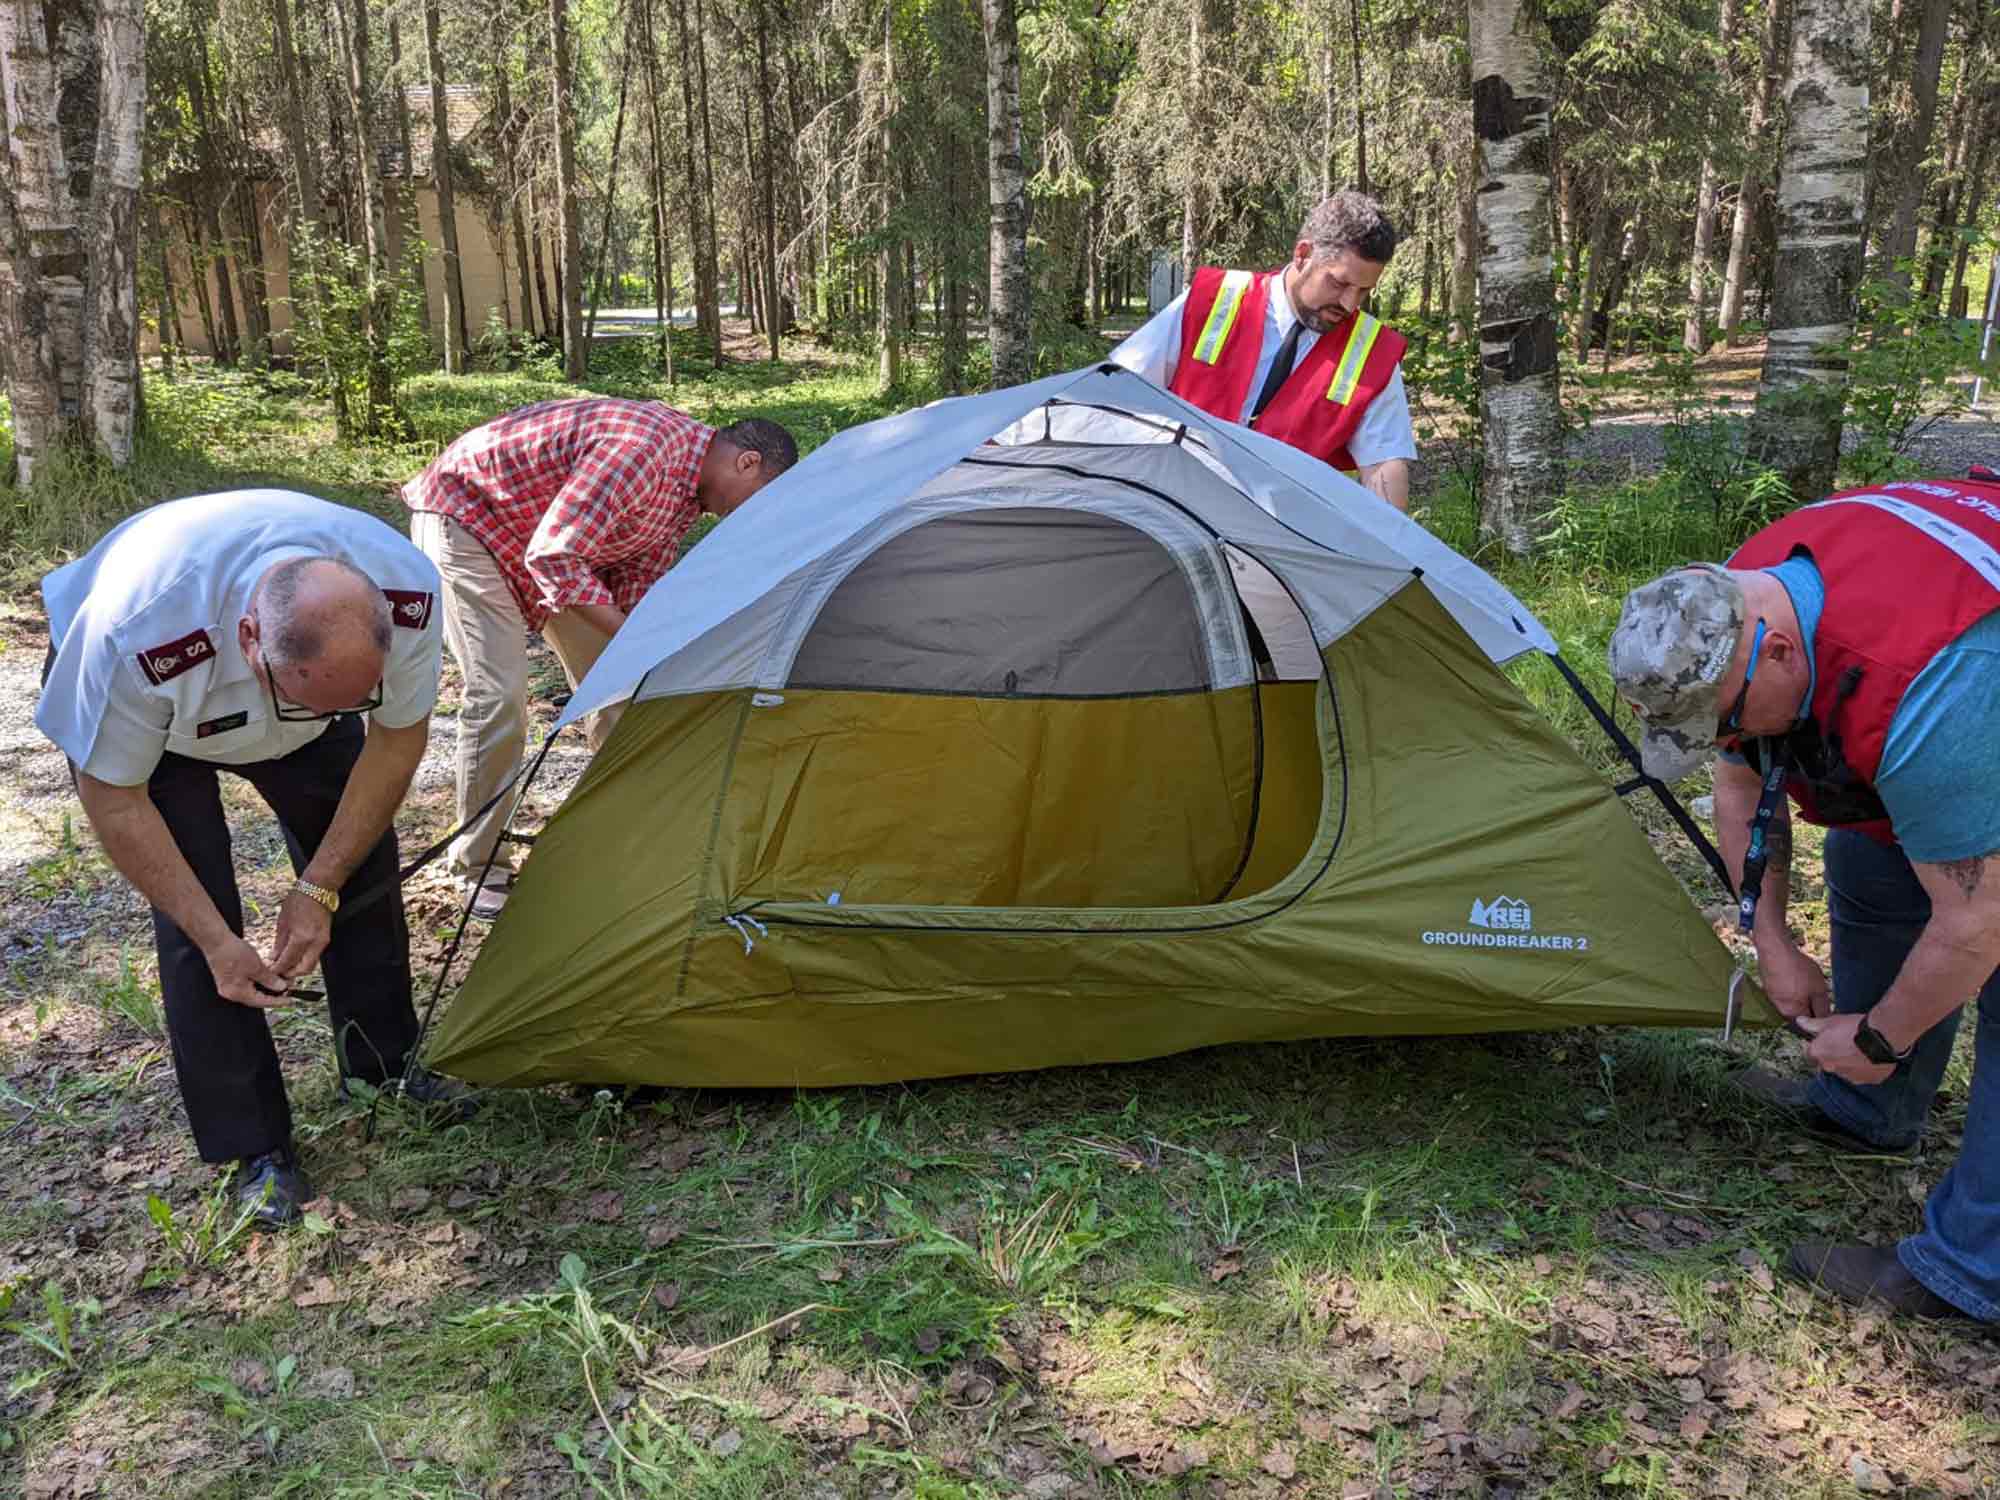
(164,663)
(409,608)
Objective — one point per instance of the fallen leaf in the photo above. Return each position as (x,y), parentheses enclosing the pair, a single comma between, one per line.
(605,1207)
(929,1341)
(251,1376)
(659,1236)
(1760,1273)
(1227,1264)
(1790,1419)
(1689,1391)
(854,1425)
(1694,1427)
(321,1293)
(726,1442)
(411,1200)
(1278,1462)
(1574,1396)
(336,1383)
(1544,1266)
(1316,1427)
(440,1234)
(668,1294)
(461,1198)
(832,1273)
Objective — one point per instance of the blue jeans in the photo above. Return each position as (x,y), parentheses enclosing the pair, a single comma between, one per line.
(1878,909)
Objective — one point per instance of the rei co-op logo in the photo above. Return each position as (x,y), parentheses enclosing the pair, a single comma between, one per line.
(1505,922)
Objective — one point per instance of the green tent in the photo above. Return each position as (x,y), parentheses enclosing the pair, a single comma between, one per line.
(1066,725)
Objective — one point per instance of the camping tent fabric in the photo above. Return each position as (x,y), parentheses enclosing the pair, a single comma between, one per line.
(849,832)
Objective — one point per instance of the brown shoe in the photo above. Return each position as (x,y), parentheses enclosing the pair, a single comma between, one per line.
(1793,1097)
(1866,1273)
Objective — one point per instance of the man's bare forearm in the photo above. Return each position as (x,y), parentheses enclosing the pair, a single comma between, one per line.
(139,843)
(1955,954)
(375,789)
(1389,479)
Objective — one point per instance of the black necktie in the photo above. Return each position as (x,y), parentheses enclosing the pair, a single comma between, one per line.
(1280,368)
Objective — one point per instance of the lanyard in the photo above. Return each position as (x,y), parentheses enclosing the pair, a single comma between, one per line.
(1758,855)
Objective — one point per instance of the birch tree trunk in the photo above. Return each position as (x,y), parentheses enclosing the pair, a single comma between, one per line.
(1763,96)
(42,295)
(1796,429)
(1010,323)
(455,340)
(111,285)
(568,208)
(1518,395)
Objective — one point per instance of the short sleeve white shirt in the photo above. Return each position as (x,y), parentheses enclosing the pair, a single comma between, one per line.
(1153,351)
(144,627)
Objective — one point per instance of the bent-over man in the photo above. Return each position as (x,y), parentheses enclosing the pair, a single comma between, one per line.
(558,518)
(1290,352)
(252,632)
(1849,658)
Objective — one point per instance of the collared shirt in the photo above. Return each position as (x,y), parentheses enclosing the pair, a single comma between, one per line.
(580,501)
(144,627)
(1154,351)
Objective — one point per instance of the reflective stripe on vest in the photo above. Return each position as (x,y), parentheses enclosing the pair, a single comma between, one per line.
(1360,344)
(1970,549)
(1222,316)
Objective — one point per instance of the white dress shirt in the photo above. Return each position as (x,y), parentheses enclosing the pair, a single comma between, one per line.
(144,628)
(1155,349)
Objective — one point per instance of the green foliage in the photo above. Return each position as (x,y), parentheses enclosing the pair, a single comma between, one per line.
(331,292)
(135,996)
(203,1238)
(58,1334)
(1909,368)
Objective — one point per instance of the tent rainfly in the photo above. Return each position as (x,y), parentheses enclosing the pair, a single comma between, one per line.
(1060,725)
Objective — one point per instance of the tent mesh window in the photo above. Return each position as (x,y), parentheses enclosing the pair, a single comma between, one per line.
(1014,707)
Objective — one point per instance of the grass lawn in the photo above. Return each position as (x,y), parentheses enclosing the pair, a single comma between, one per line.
(1504,1265)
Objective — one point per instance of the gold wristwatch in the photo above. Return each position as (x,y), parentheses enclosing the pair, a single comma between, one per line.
(329,899)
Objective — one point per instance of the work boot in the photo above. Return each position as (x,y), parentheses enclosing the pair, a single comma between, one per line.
(271,1188)
(1866,1273)
(1793,1097)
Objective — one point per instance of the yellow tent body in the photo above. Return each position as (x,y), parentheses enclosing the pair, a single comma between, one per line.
(1086,746)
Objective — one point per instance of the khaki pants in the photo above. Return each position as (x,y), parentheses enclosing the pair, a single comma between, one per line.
(487,635)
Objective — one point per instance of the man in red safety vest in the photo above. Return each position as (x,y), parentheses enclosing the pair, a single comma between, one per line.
(1290,351)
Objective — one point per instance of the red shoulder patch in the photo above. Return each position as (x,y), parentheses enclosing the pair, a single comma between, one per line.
(164,663)
(409,609)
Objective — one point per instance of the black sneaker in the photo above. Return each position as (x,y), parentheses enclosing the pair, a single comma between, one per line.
(271,1189)
(436,1091)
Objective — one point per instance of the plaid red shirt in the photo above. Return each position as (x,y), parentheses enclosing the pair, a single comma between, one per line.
(581,501)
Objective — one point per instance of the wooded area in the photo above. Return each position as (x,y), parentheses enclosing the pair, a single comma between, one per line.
(970,184)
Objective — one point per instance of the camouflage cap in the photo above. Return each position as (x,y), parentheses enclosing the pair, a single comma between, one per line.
(1673,644)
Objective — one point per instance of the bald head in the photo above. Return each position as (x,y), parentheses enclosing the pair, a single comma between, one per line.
(322,630)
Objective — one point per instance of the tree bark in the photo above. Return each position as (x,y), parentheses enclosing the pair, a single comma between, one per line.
(1900,241)
(773,314)
(111,285)
(456,341)
(380,305)
(1465,241)
(1796,429)
(1519,397)
(576,363)
(1763,96)
(610,199)
(1360,101)
(889,321)
(663,244)
(707,206)
(38,234)
(1010,316)
(1708,203)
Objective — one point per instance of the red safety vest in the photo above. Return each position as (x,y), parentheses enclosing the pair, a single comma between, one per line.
(1909,567)
(1320,404)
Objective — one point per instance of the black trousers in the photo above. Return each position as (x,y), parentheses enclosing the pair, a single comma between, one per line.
(223,1054)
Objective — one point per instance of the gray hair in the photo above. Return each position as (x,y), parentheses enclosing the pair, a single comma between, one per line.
(290,637)
(767,439)
(1350,220)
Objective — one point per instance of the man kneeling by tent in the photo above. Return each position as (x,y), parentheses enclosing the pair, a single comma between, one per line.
(1850,656)
(558,517)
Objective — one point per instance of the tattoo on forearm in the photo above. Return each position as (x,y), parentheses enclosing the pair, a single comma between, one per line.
(1965,873)
(1778,844)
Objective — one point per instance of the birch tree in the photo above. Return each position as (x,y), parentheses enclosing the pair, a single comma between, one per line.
(1796,429)
(1009,311)
(1518,395)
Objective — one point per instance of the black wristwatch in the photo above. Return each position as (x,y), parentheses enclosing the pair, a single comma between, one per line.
(1875,1047)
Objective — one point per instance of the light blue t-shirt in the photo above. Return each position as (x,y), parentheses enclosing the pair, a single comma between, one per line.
(1942,752)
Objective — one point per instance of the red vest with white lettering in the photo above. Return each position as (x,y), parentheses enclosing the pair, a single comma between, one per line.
(1897,593)
(1320,404)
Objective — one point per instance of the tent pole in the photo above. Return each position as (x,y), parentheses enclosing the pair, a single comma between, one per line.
(458,937)
(1653,784)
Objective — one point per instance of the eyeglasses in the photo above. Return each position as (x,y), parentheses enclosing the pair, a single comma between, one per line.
(294,713)
(1731,723)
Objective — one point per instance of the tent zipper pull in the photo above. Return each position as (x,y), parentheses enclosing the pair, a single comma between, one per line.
(741,925)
